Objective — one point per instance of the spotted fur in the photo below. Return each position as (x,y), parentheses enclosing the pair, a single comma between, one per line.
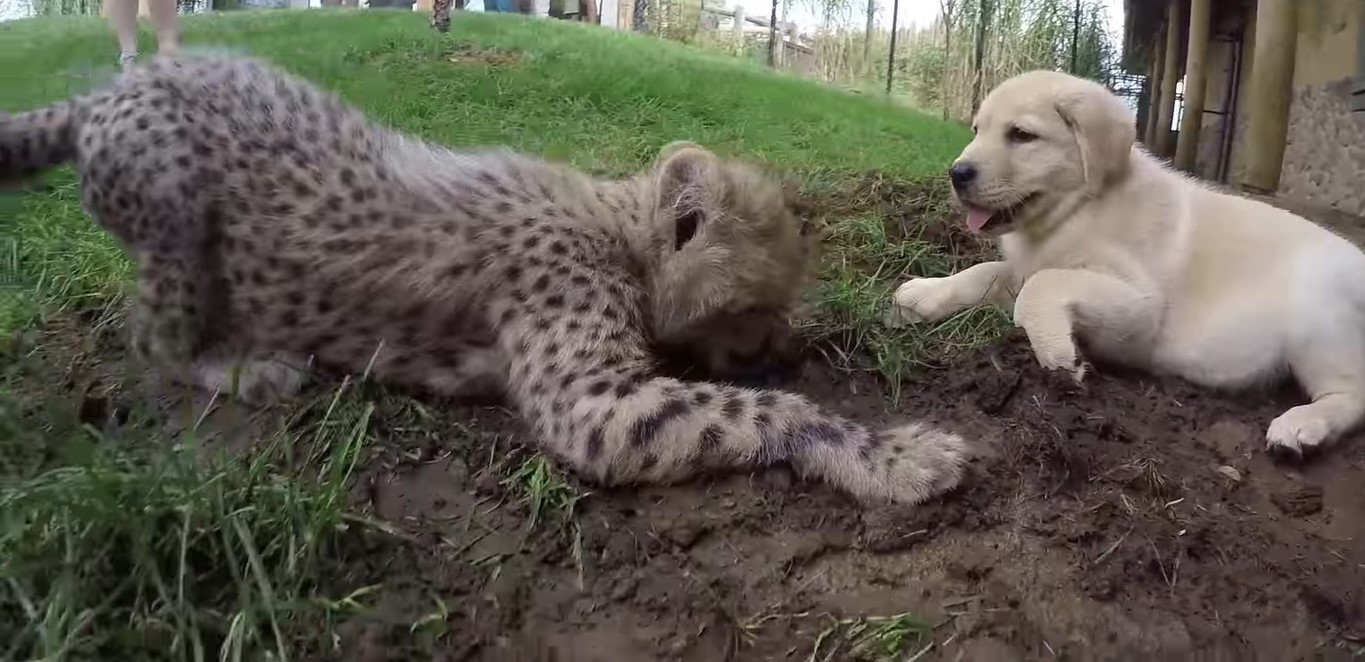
(275,227)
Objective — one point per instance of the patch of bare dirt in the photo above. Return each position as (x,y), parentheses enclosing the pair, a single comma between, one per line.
(467,54)
(1127,517)
(1101,524)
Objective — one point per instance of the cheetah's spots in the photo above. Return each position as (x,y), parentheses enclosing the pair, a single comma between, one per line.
(594,445)
(648,427)
(733,407)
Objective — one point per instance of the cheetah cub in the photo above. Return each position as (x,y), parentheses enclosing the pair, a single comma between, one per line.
(275,228)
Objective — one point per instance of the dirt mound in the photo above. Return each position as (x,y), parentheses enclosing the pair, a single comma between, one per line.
(1130,516)
(911,209)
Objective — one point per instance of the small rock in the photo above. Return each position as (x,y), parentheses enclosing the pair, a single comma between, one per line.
(1300,501)
(1229,439)
(486,484)
(1230,473)
(779,479)
(94,409)
(685,535)
(624,589)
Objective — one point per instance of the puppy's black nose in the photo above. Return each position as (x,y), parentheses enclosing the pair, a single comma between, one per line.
(962,174)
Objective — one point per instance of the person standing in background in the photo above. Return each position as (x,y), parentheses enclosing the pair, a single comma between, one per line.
(123,17)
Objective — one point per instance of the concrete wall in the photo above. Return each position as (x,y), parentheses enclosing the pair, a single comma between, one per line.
(1324,159)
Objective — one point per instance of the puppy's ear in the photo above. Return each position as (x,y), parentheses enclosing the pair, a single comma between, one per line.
(1104,130)
(688,185)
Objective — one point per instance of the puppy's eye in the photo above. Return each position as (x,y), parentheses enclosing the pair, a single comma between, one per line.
(1018,135)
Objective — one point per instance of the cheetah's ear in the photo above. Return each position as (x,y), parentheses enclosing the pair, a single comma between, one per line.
(673,148)
(688,179)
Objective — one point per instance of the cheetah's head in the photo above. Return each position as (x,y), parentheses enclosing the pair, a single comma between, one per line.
(734,259)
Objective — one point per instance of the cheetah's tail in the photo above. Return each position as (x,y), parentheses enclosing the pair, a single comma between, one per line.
(35,141)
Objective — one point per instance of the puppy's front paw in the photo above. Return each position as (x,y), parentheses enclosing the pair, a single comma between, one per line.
(920,300)
(1060,354)
(1295,433)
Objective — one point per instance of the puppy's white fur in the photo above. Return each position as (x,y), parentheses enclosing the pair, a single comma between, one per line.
(1149,268)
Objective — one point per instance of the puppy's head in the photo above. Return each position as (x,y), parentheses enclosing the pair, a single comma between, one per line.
(1044,141)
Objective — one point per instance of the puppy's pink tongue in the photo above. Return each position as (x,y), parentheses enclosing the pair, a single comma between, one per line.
(977,218)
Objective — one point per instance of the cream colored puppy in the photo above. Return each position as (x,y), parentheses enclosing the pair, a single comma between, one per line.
(1144,267)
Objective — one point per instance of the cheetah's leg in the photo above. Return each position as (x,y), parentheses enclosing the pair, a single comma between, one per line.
(452,369)
(480,372)
(614,422)
(166,321)
(170,333)
(253,381)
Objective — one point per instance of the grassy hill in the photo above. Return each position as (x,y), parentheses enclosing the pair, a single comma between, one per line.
(601,99)
(121,546)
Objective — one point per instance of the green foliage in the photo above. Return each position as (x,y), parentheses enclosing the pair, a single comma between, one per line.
(133,547)
(1021,35)
(926,66)
(65,7)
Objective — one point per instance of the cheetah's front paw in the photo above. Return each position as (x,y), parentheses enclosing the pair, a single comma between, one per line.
(908,464)
(254,382)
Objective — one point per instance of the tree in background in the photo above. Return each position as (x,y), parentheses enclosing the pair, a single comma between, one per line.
(638,16)
(947,14)
(967,60)
(66,7)
(773,44)
(871,28)
(972,45)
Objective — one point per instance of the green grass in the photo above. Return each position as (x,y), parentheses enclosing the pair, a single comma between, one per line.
(863,265)
(866,254)
(542,489)
(872,639)
(155,546)
(549,499)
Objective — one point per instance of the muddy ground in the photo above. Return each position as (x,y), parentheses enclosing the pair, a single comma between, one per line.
(1128,518)
(1103,523)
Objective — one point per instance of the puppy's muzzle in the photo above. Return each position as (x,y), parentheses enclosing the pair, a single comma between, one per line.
(962,175)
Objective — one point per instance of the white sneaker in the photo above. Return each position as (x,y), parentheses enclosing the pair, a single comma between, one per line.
(127,59)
